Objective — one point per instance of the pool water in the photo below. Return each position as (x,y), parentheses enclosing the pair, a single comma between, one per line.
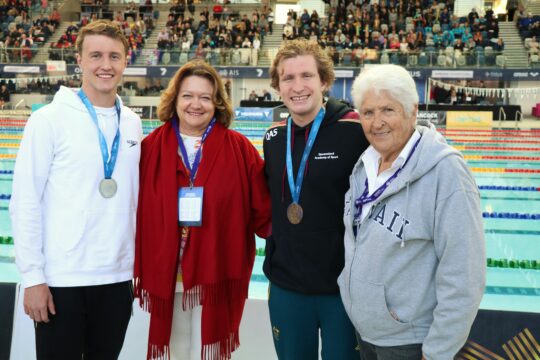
(505,163)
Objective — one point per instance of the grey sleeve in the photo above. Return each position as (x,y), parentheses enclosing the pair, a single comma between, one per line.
(461,274)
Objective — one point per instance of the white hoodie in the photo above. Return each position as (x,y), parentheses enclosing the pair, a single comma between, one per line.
(66,233)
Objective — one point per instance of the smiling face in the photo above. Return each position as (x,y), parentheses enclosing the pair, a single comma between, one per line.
(102,61)
(195,105)
(301,88)
(386,125)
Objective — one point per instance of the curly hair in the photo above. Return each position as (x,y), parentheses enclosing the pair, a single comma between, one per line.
(167,105)
(299,47)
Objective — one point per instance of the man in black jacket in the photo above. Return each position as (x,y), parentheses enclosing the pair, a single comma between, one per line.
(308,162)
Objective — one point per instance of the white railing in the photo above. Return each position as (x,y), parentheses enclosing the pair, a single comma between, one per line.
(519,115)
(501,112)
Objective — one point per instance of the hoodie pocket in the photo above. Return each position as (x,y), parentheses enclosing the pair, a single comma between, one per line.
(110,236)
(370,311)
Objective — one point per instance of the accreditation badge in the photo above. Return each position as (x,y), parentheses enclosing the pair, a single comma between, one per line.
(190,201)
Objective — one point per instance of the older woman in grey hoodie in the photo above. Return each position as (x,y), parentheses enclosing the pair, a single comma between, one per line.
(414,270)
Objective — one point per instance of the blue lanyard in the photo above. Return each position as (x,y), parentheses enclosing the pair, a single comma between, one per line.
(108,162)
(297,186)
(365,199)
(196,162)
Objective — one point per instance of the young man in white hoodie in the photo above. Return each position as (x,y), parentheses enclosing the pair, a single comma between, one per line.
(73,207)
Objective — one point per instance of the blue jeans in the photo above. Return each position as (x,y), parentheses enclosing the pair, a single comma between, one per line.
(296,319)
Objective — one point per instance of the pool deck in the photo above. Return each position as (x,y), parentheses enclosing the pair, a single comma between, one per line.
(528,122)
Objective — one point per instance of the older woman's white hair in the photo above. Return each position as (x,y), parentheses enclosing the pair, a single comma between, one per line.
(394,79)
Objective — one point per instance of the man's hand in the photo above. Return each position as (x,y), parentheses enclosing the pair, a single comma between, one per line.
(38,302)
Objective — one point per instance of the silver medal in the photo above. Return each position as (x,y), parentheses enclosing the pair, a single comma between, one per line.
(107,188)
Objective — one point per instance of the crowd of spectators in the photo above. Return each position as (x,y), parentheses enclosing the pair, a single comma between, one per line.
(529,26)
(359,31)
(64,48)
(219,35)
(353,32)
(20,34)
(529,30)
(136,22)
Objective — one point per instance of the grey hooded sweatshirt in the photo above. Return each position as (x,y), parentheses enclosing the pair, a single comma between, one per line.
(415,272)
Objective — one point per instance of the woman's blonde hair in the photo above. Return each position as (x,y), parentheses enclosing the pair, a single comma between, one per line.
(167,105)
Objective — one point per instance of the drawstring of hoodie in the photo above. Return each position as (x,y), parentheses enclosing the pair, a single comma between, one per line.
(402,245)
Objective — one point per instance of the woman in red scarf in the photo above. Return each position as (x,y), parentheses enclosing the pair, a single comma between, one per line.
(203,253)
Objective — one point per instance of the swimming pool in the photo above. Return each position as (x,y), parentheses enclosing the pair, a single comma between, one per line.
(505,163)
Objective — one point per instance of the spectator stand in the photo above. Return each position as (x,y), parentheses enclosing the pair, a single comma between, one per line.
(63,44)
(135,21)
(353,35)
(230,34)
(24,28)
(407,34)
(528,26)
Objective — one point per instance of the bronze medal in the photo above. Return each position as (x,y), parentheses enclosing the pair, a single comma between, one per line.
(295,213)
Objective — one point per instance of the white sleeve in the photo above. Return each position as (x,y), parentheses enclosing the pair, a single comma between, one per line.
(34,159)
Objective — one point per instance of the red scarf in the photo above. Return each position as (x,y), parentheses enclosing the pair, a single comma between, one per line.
(219,256)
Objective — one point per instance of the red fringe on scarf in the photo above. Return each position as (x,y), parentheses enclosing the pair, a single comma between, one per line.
(213,294)
(195,296)
(221,350)
(150,303)
(156,352)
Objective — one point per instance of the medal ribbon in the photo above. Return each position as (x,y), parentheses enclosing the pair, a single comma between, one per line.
(297,186)
(108,162)
(365,199)
(192,169)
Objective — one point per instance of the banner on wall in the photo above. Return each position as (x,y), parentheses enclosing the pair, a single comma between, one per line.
(452,74)
(280,114)
(248,72)
(145,112)
(253,114)
(344,73)
(502,92)
(469,119)
(24,69)
(434,117)
(55,65)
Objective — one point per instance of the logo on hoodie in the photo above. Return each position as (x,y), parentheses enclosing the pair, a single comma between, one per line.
(326,156)
(395,223)
(132,143)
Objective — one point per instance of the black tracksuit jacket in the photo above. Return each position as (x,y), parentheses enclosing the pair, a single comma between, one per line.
(308,257)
